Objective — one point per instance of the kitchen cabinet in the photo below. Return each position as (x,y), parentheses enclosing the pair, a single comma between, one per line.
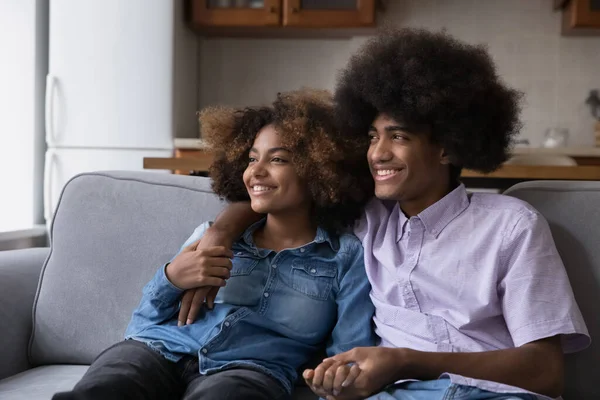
(279,17)
(581,17)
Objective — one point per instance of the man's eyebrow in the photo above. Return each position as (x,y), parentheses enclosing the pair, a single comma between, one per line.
(394,128)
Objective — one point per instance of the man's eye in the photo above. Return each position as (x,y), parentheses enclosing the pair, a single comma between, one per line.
(372,138)
(399,137)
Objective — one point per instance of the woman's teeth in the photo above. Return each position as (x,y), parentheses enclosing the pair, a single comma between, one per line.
(261,188)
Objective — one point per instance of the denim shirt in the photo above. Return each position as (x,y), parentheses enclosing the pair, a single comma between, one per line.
(276,310)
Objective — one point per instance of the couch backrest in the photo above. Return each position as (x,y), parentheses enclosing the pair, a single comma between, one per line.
(111,232)
(573,212)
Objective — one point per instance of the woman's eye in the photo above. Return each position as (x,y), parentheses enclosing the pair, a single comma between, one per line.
(251,160)
(277,159)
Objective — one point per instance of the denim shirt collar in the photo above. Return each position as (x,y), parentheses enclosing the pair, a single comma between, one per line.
(322,236)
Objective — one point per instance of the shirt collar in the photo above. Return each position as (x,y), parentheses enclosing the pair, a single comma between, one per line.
(438,215)
(322,235)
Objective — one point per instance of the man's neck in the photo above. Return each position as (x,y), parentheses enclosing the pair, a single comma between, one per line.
(413,207)
(285,231)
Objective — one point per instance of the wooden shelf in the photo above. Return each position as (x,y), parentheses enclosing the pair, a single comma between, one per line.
(202,162)
(527,172)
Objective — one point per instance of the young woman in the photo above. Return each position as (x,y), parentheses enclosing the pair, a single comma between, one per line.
(293,283)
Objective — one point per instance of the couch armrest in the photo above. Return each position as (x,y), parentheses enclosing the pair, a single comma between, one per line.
(19,276)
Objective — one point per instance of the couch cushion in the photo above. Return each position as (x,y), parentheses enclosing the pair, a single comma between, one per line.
(110,233)
(41,383)
(573,213)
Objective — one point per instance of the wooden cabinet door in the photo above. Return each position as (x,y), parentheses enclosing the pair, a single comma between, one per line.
(328,13)
(232,13)
(584,14)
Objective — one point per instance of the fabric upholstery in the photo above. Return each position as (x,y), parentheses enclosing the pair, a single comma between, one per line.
(573,212)
(110,233)
(19,275)
(41,383)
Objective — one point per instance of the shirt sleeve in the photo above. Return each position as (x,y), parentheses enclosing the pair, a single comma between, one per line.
(534,289)
(160,298)
(355,310)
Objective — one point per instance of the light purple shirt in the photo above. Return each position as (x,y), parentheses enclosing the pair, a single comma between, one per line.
(473,272)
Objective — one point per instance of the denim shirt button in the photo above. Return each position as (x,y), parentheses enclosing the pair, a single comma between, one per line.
(266,294)
(274,265)
(313,271)
(204,351)
(227,323)
(302,250)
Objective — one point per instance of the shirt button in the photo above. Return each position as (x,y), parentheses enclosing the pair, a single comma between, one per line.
(274,265)
(227,323)
(204,351)
(302,250)
(313,271)
(266,294)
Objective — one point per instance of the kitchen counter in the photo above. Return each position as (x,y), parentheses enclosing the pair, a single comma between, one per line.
(197,144)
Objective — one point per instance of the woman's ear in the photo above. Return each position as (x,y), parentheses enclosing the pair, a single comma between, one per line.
(444,157)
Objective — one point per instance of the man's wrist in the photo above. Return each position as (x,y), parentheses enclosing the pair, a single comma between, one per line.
(219,236)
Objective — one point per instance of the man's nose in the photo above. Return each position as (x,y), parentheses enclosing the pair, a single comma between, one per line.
(381,151)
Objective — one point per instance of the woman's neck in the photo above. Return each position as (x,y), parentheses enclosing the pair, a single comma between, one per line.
(286,231)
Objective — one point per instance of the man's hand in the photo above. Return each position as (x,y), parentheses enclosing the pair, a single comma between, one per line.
(193,299)
(195,267)
(362,371)
(330,377)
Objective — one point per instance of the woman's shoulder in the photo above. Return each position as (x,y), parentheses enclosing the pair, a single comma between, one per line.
(350,243)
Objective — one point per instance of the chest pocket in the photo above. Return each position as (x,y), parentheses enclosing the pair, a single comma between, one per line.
(242,265)
(313,279)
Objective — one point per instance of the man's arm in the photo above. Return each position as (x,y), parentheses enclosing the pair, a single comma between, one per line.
(537,366)
(228,225)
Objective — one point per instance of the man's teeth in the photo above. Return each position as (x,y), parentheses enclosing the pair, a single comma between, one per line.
(261,188)
(384,172)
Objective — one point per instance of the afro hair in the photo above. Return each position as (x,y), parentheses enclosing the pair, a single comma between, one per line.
(333,166)
(425,78)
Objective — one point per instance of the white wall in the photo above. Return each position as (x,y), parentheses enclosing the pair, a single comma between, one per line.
(24,63)
(523,36)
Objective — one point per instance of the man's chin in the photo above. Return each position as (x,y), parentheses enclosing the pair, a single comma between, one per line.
(386,193)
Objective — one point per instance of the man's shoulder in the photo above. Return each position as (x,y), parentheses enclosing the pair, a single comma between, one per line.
(500,203)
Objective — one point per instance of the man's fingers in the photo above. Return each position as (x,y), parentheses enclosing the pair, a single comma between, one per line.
(186,302)
(197,301)
(209,281)
(191,247)
(217,272)
(218,262)
(352,375)
(211,296)
(217,251)
(341,375)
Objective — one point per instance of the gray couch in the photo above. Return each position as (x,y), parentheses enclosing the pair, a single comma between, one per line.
(60,307)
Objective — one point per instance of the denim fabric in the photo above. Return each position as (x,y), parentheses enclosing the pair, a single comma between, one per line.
(443,389)
(276,310)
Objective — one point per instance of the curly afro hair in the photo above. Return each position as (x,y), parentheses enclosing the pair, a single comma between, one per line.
(431,79)
(333,166)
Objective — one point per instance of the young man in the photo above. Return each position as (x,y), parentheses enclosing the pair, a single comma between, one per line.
(472,299)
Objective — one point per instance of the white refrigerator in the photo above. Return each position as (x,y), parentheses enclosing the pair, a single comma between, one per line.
(120,86)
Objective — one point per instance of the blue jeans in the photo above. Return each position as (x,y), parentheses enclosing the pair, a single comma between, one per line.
(443,389)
